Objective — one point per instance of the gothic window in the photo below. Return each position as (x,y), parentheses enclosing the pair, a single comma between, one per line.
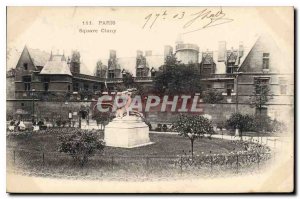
(27,83)
(266,57)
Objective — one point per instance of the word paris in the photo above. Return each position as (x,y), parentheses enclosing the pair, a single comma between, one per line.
(151,103)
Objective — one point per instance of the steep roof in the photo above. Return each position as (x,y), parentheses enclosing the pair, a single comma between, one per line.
(38,57)
(129,63)
(56,65)
(247,50)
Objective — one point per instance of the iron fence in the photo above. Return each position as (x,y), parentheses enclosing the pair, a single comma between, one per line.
(100,165)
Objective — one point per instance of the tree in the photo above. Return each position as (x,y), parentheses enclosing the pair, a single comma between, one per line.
(212,96)
(175,78)
(102,117)
(241,122)
(193,127)
(261,95)
(128,80)
(80,145)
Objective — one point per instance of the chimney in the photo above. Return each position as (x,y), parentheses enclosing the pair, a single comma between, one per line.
(148,53)
(139,53)
(51,56)
(241,49)
(221,51)
(168,51)
(112,54)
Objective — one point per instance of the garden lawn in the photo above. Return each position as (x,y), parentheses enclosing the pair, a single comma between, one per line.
(164,145)
(36,154)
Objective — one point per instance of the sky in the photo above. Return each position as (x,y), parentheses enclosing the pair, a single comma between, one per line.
(58,29)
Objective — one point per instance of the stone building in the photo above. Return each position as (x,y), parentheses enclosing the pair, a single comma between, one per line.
(44,77)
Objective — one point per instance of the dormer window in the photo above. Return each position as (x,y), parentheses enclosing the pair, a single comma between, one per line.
(25,66)
(153,72)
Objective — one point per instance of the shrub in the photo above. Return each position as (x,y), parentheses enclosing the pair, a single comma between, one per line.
(64,122)
(158,128)
(58,123)
(164,127)
(40,123)
(11,123)
(212,96)
(80,145)
(149,125)
(241,122)
(277,126)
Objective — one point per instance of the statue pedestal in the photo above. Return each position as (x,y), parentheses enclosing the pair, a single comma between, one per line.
(128,132)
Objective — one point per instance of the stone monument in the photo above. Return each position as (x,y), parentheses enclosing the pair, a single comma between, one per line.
(127,130)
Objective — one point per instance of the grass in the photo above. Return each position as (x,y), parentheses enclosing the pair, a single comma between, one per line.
(158,160)
(164,145)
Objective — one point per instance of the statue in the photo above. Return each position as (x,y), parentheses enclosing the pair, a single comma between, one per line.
(123,108)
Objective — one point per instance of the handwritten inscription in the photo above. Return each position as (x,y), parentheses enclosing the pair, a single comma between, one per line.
(205,18)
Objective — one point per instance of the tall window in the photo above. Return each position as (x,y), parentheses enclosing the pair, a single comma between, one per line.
(153,73)
(266,57)
(27,83)
(139,72)
(229,88)
(86,87)
(111,74)
(263,82)
(25,66)
(46,86)
(283,86)
(95,88)
(46,83)
(75,86)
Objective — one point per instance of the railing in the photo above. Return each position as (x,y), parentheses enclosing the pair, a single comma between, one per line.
(110,80)
(88,77)
(187,46)
(219,76)
(114,80)
(39,163)
(143,78)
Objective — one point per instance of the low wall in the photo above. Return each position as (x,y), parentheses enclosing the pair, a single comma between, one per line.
(217,112)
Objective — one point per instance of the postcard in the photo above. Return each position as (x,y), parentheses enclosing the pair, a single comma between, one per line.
(150,99)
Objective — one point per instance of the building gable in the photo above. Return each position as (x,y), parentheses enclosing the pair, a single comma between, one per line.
(263,51)
(25,65)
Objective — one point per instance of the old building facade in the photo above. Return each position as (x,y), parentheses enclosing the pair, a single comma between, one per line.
(44,77)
